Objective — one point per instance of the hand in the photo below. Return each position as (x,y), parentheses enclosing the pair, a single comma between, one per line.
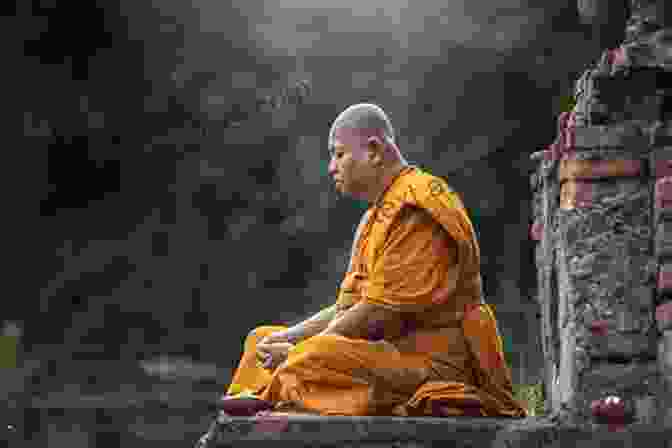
(271,355)
(278,336)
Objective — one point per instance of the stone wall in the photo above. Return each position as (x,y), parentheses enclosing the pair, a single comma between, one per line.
(604,235)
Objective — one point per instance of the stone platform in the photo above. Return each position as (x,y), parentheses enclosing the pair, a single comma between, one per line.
(316,431)
(172,418)
(144,412)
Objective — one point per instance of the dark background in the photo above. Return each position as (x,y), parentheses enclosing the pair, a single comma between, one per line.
(144,221)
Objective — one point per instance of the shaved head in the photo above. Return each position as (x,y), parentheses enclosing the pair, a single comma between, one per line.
(365,118)
(359,123)
(364,155)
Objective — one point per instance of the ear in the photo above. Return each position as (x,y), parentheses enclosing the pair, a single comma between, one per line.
(376,149)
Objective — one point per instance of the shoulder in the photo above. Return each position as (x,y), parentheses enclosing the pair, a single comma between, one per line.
(421,187)
(420,199)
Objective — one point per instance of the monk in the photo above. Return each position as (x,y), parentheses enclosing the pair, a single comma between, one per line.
(409,333)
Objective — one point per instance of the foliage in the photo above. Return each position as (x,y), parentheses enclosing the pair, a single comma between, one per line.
(531,396)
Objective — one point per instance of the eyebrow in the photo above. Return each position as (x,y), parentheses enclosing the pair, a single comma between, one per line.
(332,148)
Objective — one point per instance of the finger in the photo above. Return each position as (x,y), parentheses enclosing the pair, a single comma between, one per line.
(281,346)
(278,354)
(264,348)
(277,347)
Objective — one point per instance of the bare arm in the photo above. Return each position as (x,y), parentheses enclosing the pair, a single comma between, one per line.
(313,325)
(273,348)
(366,321)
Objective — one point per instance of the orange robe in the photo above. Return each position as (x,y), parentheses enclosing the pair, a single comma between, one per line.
(416,253)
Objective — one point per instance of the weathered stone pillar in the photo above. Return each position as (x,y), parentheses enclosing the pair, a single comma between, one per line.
(601,197)
(545,198)
(661,162)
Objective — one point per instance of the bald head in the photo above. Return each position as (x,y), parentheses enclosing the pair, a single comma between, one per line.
(364,153)
(364,117)
(362,122)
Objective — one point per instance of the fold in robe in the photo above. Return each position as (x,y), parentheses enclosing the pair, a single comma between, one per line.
(416,254)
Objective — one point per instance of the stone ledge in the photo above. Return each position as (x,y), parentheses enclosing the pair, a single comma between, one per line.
(155,423)
(316,431)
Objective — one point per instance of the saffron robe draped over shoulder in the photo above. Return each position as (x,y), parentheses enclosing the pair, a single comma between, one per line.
(415,253)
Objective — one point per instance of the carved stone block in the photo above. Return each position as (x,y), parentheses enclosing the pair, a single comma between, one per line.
(642,297)
(665,279)
(634,381)
(663,195)
(598,169)
(614,345)
(646,408)
(626,135)
(665,370)
(576,194)
(535,182)
(639,82)
(643,107)
(650,52)
(615,228)
(663,239)
(630,320)
(539,257)
(664,316)
(621,316)
(661,162)
(661,135)
(636,96)
(665,354)
(537,230)
(630,192)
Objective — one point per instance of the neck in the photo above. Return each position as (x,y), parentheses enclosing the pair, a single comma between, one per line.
(388,176)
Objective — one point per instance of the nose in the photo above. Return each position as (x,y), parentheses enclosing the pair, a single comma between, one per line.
(332,167)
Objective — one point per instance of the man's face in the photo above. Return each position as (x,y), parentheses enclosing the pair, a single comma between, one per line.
(352,165)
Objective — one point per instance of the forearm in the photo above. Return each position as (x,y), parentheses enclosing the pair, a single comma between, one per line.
(313,325)
(367,321)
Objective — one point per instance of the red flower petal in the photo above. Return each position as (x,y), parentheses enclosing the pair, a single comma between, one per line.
(599,327)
